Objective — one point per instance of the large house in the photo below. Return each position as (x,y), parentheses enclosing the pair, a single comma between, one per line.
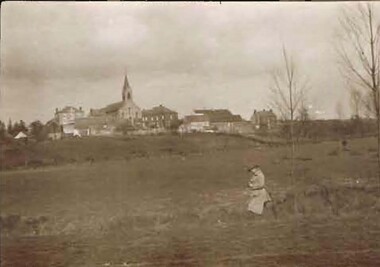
(264,119)
(211,120)
(66,117)
(123,110)
(195,123)
(159,117)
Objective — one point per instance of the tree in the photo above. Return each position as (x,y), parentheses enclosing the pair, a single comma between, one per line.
(10,127)
(359,55)
(37,130)
(356,102)
(19,127)
(22,126)
(288,91)
(339,110)
(3,130)
(125,127)
(303,121)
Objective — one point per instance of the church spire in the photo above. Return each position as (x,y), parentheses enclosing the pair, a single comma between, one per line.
(127,91)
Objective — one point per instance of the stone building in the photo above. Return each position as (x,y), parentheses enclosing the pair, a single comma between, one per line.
(211,120)
(159,117)
(264,119)
(66,118)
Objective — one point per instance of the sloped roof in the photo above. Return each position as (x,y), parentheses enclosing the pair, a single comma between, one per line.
(264,113)
(220,112)
(157,111)
(112,107)
(20,135)
(231,118)
(84,123)
(195,118)
(219,115)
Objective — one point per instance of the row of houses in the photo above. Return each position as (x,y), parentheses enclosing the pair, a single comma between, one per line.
(126,114)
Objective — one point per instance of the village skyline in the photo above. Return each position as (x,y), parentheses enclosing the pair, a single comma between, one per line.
(184,56)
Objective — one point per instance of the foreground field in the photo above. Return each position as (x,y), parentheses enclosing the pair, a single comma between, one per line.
(171,201)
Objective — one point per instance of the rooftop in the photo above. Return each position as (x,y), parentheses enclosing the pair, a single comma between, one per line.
(157,110)
(69,109)
(219,115)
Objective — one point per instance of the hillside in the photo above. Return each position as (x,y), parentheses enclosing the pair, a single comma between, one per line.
(182,202)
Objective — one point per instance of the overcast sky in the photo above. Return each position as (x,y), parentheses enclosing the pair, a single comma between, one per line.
(181,55)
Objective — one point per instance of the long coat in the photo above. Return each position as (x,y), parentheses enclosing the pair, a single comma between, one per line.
(259,196)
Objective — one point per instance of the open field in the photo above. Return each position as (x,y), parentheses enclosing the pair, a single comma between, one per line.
(172,201)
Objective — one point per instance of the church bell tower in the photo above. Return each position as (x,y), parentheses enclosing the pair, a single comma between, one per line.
(127,90)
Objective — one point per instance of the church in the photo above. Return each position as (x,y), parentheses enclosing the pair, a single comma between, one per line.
(105,121)
(123,110)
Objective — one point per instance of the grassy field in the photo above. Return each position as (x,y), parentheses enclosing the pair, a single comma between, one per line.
(172,201)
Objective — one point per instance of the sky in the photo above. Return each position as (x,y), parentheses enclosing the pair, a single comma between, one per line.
(181,55)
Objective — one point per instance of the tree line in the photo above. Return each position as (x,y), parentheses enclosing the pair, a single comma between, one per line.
(35,129)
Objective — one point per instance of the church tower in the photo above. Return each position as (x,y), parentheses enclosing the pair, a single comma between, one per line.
(127,90)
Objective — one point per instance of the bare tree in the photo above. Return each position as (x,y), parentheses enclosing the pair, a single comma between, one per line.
(359,54)
(287,94)
(339,110)
(356,102)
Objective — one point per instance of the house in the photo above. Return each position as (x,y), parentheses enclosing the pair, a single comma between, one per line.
(96,125)
(264,119)
(159,117)
(123,110)
(211,120)
(221,120)
(194,123)
(66,118)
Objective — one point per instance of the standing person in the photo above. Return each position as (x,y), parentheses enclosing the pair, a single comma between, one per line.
(258,193)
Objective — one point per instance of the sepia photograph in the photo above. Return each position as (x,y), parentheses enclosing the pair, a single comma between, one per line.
(190,134)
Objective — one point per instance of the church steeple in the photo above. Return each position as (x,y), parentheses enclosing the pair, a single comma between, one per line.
(127,91)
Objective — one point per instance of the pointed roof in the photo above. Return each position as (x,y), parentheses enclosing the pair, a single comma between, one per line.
(20,135)
(126,86)
(126,82)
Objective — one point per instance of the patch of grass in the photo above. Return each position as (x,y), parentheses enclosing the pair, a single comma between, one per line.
(185,202)
(334,152)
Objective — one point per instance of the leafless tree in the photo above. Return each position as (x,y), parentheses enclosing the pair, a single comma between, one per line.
(359,54)
(287,94)
(339,110)
(356,102)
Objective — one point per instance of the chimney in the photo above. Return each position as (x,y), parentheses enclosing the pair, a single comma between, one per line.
(80,108)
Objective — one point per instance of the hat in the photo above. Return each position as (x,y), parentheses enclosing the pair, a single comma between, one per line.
(252,159)
(254,167)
